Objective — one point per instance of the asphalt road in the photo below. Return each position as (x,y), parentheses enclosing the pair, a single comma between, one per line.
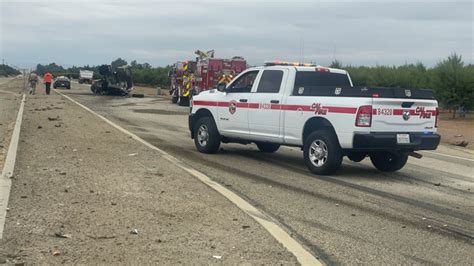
(421,214)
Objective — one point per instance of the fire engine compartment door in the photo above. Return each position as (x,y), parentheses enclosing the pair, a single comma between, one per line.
(265,106)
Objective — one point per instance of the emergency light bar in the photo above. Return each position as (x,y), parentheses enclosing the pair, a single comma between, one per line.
(283,63)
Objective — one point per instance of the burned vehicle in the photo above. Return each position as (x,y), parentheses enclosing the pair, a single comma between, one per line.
(116,81)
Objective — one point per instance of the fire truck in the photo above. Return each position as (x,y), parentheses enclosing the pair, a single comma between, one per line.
(189,78)
(182,75)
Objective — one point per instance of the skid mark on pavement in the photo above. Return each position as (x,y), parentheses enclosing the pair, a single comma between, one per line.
(9,166)
(303,256)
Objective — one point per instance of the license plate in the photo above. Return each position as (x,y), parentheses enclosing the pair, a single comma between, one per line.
(403,138)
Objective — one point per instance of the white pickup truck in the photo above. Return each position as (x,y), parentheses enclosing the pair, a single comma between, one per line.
(318,109)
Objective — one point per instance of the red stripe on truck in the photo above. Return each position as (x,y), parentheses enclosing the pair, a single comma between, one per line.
(286,107)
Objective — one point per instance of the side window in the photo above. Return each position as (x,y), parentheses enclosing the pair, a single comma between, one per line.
(270,81)
(244,83)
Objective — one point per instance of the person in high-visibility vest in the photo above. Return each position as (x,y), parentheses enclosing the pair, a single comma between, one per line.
(47,79)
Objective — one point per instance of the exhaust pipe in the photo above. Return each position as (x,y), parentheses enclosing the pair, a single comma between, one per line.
(416,155)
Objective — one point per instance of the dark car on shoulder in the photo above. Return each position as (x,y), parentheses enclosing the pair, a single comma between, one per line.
(62,82)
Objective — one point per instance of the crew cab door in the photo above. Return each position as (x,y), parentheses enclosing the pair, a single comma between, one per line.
(265,113)
(233,106)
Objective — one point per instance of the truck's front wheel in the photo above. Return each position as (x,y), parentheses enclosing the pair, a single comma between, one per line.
(206,136)
(322,154)
(388,161)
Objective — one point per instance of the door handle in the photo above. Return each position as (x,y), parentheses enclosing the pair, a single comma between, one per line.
(274,101)
(243,100)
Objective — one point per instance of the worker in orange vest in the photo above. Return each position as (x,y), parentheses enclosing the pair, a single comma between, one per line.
(47,79)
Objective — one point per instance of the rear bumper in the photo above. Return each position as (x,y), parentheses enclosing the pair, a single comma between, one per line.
(388,141)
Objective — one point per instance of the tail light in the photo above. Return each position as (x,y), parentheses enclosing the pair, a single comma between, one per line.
(436,116)
(364,116)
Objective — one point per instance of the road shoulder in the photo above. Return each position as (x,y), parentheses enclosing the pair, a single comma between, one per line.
(85,193)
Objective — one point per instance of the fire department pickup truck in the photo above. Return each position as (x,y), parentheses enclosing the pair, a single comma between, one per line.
(318,109)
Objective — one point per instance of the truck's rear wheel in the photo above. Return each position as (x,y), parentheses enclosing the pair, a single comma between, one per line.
(322,153)
(267,147)
(388,161)
(206,136)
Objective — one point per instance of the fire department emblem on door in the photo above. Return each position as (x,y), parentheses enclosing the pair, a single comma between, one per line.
(232,107)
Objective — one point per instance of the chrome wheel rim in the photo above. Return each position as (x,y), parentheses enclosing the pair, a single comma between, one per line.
(203,135)
(318,153)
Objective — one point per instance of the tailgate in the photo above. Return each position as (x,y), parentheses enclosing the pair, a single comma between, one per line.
(403,110)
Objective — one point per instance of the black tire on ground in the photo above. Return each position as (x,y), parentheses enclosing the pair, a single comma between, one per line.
(206,136)
(174,99)
(183,101)
(356,156)
(322,153)
(267,147)
(388,161)
(68,87)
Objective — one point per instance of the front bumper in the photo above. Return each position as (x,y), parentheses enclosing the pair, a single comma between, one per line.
(388,141)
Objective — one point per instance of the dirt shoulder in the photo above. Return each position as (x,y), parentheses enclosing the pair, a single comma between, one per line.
(85,193)
(456,130)
(9,104)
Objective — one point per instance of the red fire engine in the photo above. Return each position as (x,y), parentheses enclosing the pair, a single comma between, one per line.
(192,77)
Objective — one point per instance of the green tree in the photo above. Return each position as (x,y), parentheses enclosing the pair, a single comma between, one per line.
(336,64)
(453,83)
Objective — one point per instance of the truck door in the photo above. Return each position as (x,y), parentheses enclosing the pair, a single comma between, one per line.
(233,106)
(265,106)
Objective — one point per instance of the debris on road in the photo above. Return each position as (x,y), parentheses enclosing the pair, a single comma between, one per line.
(53,118)
(138,95)
(245,226)
(437,184)
(62,235)
(217,257)
(134,231)
(460,143)
(133,154)
(56,253)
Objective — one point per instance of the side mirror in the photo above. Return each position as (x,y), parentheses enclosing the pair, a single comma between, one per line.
(221,87)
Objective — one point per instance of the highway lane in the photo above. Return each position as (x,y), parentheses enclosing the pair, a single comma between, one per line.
(422,214)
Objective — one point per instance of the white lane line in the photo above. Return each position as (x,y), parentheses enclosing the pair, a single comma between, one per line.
(9,166)
(451,156)
(302,255)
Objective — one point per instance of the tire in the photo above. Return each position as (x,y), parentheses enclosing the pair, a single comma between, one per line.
(267,147)
(174,99)
(206,136)
(183,101)
(356,156)
(388,161)
(322,153)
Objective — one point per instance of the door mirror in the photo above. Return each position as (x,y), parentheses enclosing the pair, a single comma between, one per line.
(221,87)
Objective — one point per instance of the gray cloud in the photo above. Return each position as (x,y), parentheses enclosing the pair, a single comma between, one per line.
(161,32)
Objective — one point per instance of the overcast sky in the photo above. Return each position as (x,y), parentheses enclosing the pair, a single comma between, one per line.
(162,32)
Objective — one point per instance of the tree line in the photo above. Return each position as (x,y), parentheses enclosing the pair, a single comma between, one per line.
(451,79)
(6,70)
(143,73)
